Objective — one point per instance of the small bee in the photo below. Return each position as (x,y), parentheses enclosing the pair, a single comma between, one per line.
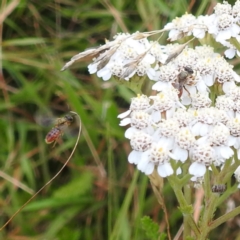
(182,79)
(220,188)
(60,125)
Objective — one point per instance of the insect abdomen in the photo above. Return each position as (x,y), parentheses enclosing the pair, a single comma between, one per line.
(53,135)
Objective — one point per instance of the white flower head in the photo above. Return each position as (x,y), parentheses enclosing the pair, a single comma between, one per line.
(224,8)
(202,156)
(234,127)
(139,103)
(140,121)
(219,135)
(233,92)
(184,117)
(201,100)
(200,27)
(157,155)
(180,27)
(164,102)
(168,128)
(205,120)
(184,141)
(226,104)
(140,142)
(223,27)
(236,11)
(166,75)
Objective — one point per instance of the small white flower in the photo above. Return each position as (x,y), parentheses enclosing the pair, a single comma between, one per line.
(158,156)
(236,11)
(141,102)
(200,27)
(158,52)
(164,102)
(202,156)
(140,142)
(167,73)
(205,120)
(139,120)
(223,27)
(201,100)
(224,8)
(219,135)
(184,117)
(184,141)
(180,27)
(234,127)
(220,141)
(226,104)
(168,128)
(113,68)
(233,92)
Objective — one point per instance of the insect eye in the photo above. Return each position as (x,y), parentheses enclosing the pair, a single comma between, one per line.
(188,69)
(69,118)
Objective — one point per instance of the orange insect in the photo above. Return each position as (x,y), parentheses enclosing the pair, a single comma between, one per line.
(60,125)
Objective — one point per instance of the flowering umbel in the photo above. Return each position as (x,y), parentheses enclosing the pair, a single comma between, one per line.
(193,118)
(190,125)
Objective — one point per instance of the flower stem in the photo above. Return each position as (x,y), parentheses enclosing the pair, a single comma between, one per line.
(187,195)
(224,218)
(173,180)
(157,185)
(210,207)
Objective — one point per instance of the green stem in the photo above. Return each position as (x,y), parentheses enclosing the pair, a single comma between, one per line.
(224,218)
(187,195)
(235,43)
(173,180)
(210,207)
(226,195)
(207,185)
(183,181)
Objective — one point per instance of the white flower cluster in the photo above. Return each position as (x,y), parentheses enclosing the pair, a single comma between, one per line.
(195,116)
(184,121)
(223,24)
(161,130)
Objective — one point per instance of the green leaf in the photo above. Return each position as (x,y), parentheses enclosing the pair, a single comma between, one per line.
(186,210)
(189,238)
(152,229)
(76,187)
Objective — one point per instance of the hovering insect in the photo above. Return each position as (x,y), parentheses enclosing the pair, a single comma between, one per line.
(220,188)
(182,79)
(60,125)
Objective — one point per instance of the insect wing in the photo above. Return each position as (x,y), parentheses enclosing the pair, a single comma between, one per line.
(44,119)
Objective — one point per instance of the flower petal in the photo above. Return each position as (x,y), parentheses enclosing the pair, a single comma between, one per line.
(165,170)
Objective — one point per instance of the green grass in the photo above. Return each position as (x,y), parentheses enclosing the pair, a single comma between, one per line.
(38,37)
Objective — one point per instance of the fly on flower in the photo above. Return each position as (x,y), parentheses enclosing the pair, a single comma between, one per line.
(220,188)
(61,124)
(182,79)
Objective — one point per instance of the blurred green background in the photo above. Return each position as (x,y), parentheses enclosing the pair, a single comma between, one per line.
(98,195)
